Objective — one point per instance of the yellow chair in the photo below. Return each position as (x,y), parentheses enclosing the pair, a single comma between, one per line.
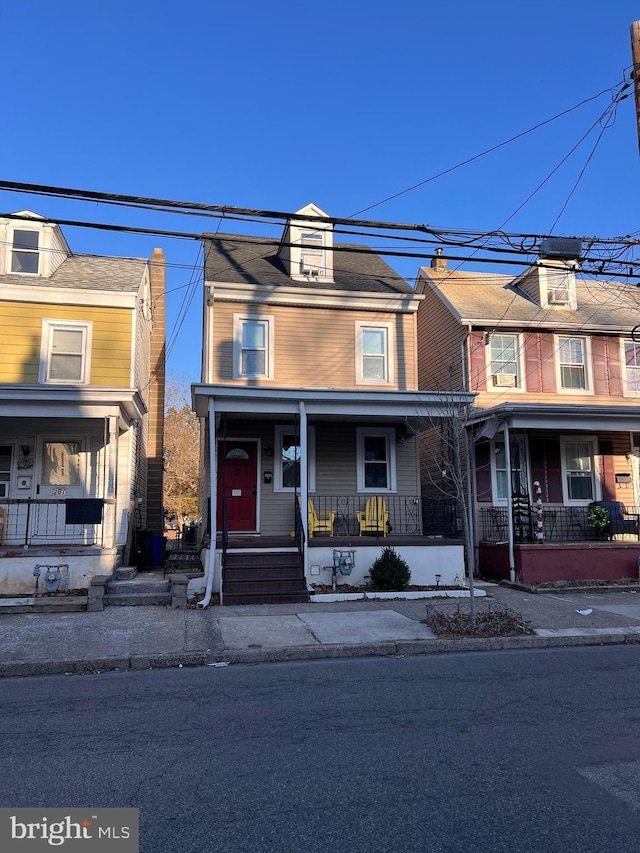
(319,522)
(375,518)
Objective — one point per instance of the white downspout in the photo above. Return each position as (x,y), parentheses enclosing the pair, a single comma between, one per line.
(507,456)
(213,492)
(304,485)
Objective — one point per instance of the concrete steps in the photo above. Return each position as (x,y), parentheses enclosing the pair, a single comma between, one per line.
(140,591)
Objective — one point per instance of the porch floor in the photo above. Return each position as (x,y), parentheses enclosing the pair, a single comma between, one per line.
(261,542)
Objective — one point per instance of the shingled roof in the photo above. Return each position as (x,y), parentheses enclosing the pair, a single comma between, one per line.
(484,298)
(88,272)
(234,258)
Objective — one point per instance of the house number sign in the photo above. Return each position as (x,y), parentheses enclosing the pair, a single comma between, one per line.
(59,492)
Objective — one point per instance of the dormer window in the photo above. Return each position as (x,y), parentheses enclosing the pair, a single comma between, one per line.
(25,252)
(311,254)
(558,294)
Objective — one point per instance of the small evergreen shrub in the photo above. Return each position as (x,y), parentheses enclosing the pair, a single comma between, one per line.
(390,571)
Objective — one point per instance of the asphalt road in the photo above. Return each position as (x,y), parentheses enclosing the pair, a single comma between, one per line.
(532,752)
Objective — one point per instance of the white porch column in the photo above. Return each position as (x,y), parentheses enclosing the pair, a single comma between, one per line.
(507,457)
(111,509)
(213,493)
(304,484)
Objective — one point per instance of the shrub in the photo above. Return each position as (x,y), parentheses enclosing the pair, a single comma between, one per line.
(390,571)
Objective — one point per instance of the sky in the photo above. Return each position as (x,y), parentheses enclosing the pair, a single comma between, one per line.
(274,105)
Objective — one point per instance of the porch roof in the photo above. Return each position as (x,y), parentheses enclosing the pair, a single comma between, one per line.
(327,401)
(59,401)
(554,416)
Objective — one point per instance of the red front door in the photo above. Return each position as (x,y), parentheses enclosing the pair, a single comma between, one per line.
(238,482)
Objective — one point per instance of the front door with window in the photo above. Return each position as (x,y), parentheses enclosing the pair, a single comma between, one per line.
(60,475)
(238,484)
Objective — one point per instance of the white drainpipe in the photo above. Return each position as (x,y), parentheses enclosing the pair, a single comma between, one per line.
(213,476)
(507,454)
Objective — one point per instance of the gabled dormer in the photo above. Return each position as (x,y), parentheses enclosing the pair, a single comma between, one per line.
(306,250)
(551,284)
(30,246)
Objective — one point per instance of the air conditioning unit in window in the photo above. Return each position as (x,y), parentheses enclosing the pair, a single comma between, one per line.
(558,297)
(504,380)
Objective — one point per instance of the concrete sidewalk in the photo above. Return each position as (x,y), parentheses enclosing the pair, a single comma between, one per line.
(142,637)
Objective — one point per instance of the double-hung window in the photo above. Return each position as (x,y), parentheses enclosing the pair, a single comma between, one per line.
(64,355)
(572,358)
(632,367)
(253,346)
(311,253)
(504,352)
(376,459)
(578,469)
(25,254)
(374,353)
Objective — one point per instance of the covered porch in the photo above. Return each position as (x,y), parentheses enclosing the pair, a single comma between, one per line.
(317,469)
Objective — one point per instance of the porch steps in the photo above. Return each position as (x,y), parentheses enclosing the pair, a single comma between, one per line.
(264,578)
(126,573)
(183,561)
(138,592)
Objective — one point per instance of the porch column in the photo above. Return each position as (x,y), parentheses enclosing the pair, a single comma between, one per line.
(507,458)
(111,479)
(213,493)
(304,484)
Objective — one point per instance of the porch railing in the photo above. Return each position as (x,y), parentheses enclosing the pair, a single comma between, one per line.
(408,514)
(32,522)
(559,524)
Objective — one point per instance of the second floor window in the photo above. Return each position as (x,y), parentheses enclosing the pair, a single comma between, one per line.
(374,362)
(632,366)
(572,355)
(504,369)
(253,347)
(25,255)
(65,352)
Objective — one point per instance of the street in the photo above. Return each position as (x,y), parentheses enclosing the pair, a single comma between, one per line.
(532,751)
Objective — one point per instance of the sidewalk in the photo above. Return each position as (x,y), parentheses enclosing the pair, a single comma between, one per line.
(141,637)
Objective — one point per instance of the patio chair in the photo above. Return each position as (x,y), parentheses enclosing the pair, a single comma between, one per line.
(375,518)
(319,522)
(620,521)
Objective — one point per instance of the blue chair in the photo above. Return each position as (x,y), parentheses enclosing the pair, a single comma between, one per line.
(620,521)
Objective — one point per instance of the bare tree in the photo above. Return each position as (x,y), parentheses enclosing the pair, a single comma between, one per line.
(181,453)
(446,469)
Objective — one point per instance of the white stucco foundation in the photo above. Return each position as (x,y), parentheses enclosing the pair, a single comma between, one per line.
(17,578)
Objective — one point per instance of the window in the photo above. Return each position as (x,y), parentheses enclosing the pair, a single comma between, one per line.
(25,255)
(578,470)
(60,463)
(65,352)
(376,460)
(287,459)
(518,468)
(632,367)
(5,470)
(311,254)
(374,358)
(504,365)
(572,356)
(253,346)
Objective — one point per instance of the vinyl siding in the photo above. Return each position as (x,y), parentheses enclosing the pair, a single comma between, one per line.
(22,329)
(440,342)
(314,347)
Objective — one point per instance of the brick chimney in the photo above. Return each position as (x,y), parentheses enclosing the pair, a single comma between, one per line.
(438,263)
(155,462)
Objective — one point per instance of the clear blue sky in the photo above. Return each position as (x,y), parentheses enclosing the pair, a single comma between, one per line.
(273,105)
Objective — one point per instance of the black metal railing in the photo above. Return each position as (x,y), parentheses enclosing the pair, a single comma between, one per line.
(559,524)
(224,536)
(380,515)
(299,536)
(30,522)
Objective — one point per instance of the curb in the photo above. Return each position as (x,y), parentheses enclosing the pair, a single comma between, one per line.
(536,590)
(391,648)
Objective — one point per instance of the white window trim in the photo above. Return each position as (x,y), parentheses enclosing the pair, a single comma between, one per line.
(389,434)
(281,430)
(38,251)
(587,365)
(389,379)
(595,473)
(269,321)
(497,501)
(626,392)
(48,327)
(516,389)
